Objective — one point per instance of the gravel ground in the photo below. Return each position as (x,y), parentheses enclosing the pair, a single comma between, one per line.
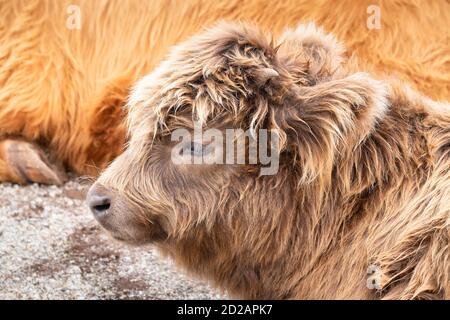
(51,248)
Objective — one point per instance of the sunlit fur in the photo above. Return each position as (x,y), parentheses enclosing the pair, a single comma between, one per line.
(364,173)
(64,89)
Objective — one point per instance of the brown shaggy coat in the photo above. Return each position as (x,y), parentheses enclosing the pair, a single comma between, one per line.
(363,184)
(64,89)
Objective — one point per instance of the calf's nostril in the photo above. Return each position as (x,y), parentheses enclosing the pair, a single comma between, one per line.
(99,203)
(102,207)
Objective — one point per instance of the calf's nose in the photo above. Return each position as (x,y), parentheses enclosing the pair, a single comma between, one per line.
(99,202)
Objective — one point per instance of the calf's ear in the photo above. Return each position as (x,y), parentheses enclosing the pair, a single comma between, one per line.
(318,122)
(326,108)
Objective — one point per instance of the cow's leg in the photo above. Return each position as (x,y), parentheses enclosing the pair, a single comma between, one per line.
(24,162)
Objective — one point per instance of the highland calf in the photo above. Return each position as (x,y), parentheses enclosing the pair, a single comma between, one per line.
(359,207)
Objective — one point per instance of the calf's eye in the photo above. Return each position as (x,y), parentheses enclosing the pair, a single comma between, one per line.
(196,149)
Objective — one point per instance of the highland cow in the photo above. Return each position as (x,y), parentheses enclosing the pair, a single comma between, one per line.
(63,86)
(359,207)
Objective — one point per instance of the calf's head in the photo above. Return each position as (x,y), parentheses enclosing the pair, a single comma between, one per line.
(209,214)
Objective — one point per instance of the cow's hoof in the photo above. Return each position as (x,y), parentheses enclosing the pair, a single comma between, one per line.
(28,163)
